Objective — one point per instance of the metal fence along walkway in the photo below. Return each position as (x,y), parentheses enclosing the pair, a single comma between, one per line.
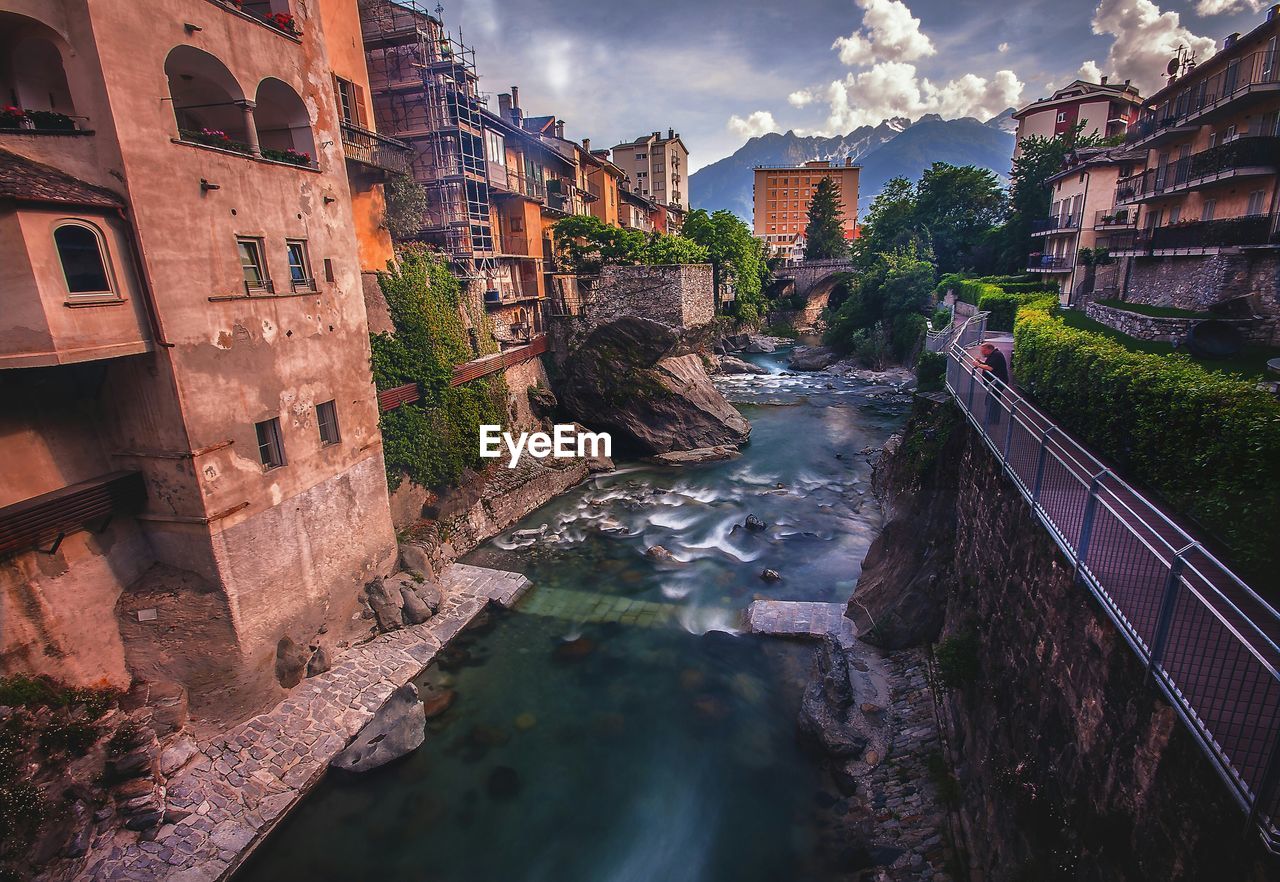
(1208,640)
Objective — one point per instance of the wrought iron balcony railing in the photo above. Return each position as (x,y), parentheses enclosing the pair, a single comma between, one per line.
(1054,224)
(1239,77)
(1049,263)
(1203,167)
(1252,230)
(375,151)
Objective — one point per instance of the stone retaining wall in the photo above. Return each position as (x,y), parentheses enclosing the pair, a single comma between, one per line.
(1159,328)
(677,295)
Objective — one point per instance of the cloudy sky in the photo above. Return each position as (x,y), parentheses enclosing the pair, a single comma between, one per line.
(720,72)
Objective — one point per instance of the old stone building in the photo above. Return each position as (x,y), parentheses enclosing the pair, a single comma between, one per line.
(193,467)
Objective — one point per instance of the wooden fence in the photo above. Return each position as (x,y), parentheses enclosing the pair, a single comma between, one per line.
(390,399)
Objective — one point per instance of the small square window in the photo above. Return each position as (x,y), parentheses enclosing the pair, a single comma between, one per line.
(327,422)
(252,265)
(270,444)
(300,278)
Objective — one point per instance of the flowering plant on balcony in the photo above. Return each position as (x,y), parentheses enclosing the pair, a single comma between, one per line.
(214,138)
(12,117)
(293,157)
(51,120)
(285,22)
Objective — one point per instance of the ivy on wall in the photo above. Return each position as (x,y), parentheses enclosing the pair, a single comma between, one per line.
(433,440)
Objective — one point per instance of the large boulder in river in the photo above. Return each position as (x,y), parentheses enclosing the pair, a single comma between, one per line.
(627,379)
(398,728)
(732,365)
(812,358)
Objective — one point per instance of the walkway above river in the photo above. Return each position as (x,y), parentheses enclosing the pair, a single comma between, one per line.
(234,789)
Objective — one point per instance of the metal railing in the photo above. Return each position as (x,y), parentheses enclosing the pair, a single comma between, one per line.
(374,150)
(1196,169)
(1053,224)
(1050,262)
(1207,640)
(1210,93)
(1113,218)
(975,327)
(1251,230)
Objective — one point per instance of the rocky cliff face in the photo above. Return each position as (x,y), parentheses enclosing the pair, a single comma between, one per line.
(628,377)
(1072,767)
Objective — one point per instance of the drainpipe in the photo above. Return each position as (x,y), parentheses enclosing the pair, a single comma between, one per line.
(144,280)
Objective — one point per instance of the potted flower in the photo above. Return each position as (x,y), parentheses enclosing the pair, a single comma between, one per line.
(293,157)
(285,22)
(12,117)
(51,121)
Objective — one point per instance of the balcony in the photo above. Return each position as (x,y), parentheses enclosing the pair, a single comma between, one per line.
(16,121)
(1243,157)
(1207,237)
(384,155)
(44,521)
(1136,243)
(1202,102)
(1115,219)
(1049,263)
(1048,225)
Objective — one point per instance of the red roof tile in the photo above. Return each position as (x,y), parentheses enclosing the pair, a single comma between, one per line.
(26,181)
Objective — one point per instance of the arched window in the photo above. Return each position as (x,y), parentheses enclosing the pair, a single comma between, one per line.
(207,101)
(32,77)
(283,124)
(84,258)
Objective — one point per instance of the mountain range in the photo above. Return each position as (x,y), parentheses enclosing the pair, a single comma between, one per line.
(896,147)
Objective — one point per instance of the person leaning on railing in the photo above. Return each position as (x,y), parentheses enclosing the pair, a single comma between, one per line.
(995,373)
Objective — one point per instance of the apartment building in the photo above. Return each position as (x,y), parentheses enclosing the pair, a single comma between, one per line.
(1082,218)
(782,195)
(1105,108)
(193,467)
(656,167)
(1205,195)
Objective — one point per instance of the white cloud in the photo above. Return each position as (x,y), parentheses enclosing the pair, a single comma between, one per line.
(894,88)
(889,32)
(800,98)
(1002,48)
(1205,8)
(1145,39)
(759,123)
(1089,72)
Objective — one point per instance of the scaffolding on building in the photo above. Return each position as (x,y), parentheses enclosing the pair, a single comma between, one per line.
(425,92)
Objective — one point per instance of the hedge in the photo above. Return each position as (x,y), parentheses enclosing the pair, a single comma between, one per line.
(1209,443)
(971,290)
(1003,306)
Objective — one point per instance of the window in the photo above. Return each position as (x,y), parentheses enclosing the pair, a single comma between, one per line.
(252,265)
(1210,206)
(1062,116)
(1175,214)
(350,102)
(1255,202)
(270,445)
(327,422)
(495,148)
(84,265)
(641,156)
(300,278)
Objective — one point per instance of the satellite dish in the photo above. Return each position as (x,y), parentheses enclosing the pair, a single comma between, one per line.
(1172,69)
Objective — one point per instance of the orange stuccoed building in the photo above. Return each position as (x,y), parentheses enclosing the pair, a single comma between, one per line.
(190,204)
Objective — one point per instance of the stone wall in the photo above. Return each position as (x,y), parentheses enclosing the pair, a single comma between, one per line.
(1071,765)
(677,295)
(1198,283)
(1167,329)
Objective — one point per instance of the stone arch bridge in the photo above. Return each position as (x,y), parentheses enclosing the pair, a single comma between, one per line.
(813,281)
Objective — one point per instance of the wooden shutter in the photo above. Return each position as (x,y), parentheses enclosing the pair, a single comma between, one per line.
(357,99)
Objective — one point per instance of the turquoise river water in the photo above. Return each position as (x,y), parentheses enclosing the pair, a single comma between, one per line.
(616,726)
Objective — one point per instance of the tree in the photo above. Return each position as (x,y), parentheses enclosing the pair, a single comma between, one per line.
(959,205)
(585,244)
(883,316)
(823,235)
(892,223)
(737,258)
(406,207)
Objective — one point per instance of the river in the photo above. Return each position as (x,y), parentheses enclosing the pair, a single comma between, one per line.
(615,727)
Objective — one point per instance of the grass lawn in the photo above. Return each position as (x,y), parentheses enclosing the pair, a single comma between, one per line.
(1251,361)
(1154,311)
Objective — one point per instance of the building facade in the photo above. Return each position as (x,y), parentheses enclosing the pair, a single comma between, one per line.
(657,167)
(1103,108)
(1205,195)
(1082,218)
(193,466)
(782,195)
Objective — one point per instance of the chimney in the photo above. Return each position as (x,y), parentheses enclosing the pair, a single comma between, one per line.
(1273,12)
(657,135)
(848,162)
(515,97)
(1230,40)
(1104,79)
(504,106)
(586,145)
(671,134)
(560,129)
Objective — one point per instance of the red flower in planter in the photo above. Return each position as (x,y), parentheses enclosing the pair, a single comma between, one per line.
(284,21)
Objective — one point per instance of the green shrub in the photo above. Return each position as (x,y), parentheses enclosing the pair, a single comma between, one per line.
(949,281)
(957,660)
(1205,441)
(435,439)
(1003,306)
(941,318)
(931,371)
(971,291)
